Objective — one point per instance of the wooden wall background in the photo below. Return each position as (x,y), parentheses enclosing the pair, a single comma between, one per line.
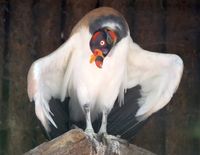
(30,29)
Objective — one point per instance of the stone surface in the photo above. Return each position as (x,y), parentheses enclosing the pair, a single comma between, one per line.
(75,142)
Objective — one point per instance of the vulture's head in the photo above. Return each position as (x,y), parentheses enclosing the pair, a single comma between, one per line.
(102,29)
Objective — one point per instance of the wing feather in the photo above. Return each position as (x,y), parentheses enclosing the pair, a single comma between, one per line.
(46,78)
(158,75)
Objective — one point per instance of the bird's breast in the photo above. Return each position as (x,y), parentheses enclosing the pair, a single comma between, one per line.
(95,85)
(99,87)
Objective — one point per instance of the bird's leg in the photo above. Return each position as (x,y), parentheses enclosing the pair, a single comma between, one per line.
(89,129)
(113,146)
(103,128)
(112,142)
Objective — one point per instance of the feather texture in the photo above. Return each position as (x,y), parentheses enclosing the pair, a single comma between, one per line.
(45,79)
(158,75)
(67,72)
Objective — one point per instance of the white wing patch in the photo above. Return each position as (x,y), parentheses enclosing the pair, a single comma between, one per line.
(158,74)
(45,80)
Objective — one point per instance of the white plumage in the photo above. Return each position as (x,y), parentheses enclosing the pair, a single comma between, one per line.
(68,72)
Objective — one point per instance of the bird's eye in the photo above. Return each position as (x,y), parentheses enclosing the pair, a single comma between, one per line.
(102,42)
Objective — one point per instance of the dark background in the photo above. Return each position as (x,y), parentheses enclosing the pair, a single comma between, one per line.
(30,29)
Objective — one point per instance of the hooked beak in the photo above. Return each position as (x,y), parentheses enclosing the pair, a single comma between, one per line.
(98,57)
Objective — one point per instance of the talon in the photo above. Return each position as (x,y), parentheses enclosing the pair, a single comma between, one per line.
(112,142)
(92,137)
(95,143)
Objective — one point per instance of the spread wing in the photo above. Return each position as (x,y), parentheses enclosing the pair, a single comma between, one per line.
(152,79)
(48,78)
(158,75)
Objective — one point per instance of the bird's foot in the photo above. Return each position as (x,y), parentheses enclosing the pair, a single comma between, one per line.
(92,137)
(112,142)
(90,133)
